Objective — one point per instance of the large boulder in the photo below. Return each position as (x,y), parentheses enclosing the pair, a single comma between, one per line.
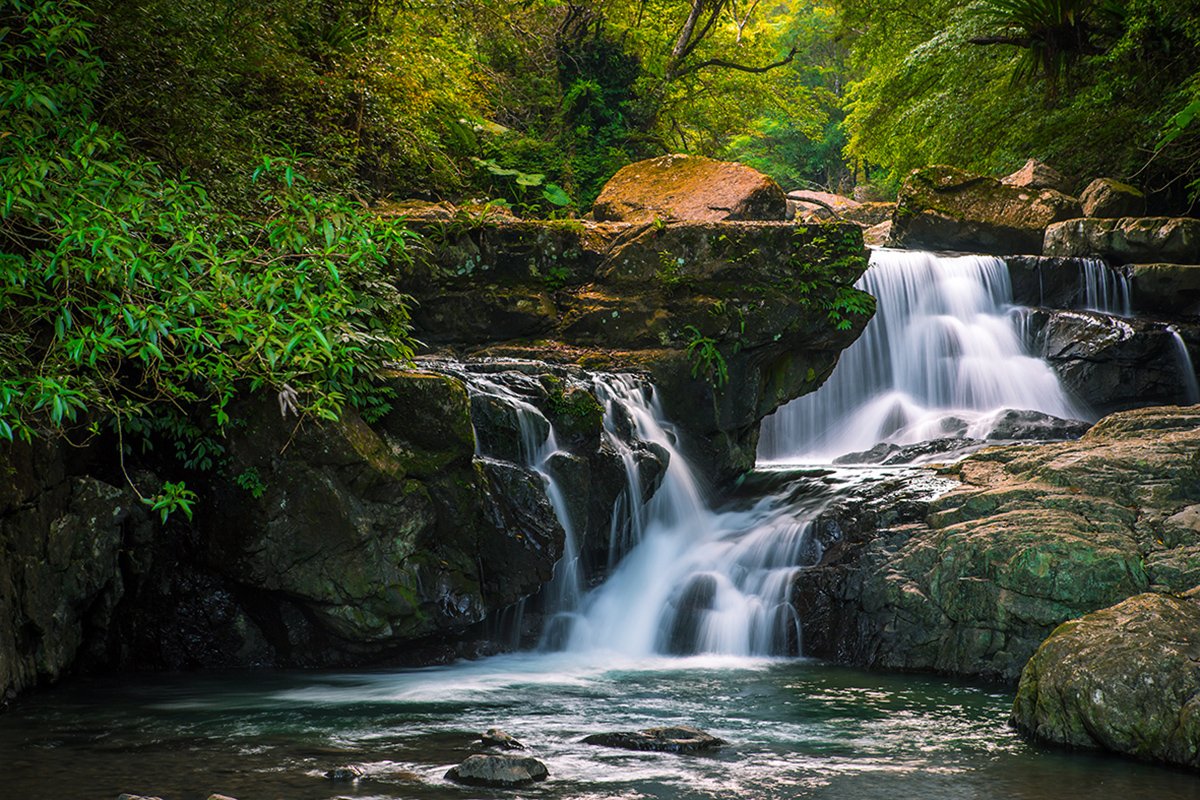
(943,208)
(1122,679)
(1105,197)
(1128,240)
(971,582)
(1038,175)
(813,206)
(679,187)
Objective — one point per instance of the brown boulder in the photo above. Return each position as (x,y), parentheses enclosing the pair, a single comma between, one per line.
(943,208)
(1037,175)
(1105,197)
(679,187)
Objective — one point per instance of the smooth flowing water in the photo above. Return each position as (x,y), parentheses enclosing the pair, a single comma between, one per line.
(797,729)
(942,357)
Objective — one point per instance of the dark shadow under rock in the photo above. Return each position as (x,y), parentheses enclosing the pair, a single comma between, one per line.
(674,739)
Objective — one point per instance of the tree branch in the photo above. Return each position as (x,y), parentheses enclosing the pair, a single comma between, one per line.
(720,62)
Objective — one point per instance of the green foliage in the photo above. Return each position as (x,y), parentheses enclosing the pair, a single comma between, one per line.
(706,358)
(173,497)
(251,481)
(127,297)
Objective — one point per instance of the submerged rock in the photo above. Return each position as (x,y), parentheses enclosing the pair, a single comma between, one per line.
(344,774)
(943,208)
(503,772)
(674,739)
(679,187)
(494,737)
(1122,679)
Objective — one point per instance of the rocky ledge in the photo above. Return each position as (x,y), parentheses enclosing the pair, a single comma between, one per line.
(1122,679)
(731,319)
(971,582)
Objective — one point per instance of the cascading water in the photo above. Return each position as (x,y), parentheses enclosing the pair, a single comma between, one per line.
(1104,290)
(696,581)
(942,357)
(1187,370)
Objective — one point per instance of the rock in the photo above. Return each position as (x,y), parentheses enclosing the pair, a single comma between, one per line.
(61,541)
(1165,288)
(1128,240)
(1037,175)
(878,235)
(1034,426)
(674,739)
(344,774)
(943,208)
(503,772)
(220,797)
(127,796)
(494,737)
(679,187)
(1123,679)
(869,214)
(1105,197)
(1116,363)
(1063,283)
(811,206)
(970,582)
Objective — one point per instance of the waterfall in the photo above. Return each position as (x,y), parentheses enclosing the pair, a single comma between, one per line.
(538,444)
(695,580)
(942,357)
(1104,290)
(1187,370)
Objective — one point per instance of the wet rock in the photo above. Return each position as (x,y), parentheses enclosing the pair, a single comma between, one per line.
(674,739)
(344,774)
(889,454)
(1038,175)
(220,797)
(1115,363)
(971,582)
(127,796)
(679,187)
(943,208)
(1105,197)
(1128,240)
(502,772)
(1034,426)
(494,737)
(1057,282)
(1122,679)
(689,609)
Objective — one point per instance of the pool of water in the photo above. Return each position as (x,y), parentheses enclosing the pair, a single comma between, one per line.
(797,729)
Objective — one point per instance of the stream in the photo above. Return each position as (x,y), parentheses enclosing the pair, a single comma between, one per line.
(694,625)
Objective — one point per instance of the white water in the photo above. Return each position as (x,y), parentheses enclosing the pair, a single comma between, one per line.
(1104,289)
(942,357)
(695,580)
(1187,370)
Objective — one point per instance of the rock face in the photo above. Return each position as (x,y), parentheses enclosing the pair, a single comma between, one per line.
(1038,175)
(679,187)
(1116,363)
(1105,197)
(1123,679)
(503,772)
(971,582)
(1165,288)
(943,208)
(1128,240)
(61,539)
(675,739)
(732,319)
